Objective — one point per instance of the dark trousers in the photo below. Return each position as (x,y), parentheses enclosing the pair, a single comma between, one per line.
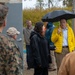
(28,57)
(41,71)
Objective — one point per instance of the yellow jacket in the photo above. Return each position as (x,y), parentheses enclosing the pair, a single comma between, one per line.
(57,39)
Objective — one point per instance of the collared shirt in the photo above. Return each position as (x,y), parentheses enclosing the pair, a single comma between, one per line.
(65,37)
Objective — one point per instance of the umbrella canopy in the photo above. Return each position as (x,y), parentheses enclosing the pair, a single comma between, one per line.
(58,15)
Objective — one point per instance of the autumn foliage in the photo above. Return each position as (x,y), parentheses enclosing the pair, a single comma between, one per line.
(36,15)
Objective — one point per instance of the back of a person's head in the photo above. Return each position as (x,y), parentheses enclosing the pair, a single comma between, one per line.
(38,27)
(50,24)
(3,12)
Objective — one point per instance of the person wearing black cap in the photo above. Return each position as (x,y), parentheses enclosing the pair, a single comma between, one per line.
(40,50)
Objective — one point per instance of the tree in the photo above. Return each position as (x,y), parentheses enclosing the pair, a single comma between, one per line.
(50,3)
(67,2)
(40,4)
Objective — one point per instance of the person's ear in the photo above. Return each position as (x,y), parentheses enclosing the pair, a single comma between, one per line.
(4,23)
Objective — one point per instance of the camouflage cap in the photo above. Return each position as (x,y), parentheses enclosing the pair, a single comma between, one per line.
(12,31)
(3,12)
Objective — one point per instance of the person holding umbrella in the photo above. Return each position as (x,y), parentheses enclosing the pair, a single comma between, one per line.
(63,39)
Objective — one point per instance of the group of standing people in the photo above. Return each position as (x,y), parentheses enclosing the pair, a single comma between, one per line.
(44,46)
(61,38)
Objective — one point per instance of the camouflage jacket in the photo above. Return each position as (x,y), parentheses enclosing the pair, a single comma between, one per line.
(11,62)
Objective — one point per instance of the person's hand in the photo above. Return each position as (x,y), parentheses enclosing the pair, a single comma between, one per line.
(59,30)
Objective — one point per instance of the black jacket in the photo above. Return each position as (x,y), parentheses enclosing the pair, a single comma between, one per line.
(40,50)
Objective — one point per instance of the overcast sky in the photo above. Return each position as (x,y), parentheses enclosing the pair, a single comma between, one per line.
(28,3)
(32,3)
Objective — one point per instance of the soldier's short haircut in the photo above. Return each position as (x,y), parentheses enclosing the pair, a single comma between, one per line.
(3,12)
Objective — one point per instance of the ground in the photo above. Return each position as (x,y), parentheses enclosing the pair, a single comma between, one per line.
(31,71)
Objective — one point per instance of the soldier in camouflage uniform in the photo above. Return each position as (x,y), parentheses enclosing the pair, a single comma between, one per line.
(10,57)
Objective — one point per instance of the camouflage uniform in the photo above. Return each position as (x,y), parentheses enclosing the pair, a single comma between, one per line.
(10,59)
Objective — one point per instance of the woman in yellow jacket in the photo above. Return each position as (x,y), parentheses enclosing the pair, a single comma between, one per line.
(63,38)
